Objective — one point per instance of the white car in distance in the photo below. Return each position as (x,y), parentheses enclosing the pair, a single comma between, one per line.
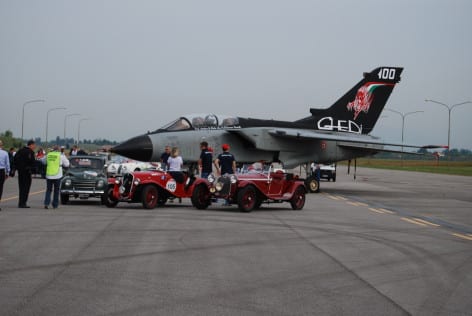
(119,165)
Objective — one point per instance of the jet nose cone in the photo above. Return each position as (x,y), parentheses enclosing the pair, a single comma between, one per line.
(137,148)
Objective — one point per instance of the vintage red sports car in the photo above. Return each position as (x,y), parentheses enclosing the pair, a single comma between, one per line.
(255,185)
(151,188)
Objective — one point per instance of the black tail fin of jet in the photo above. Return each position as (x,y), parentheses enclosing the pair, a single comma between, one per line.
(359,109)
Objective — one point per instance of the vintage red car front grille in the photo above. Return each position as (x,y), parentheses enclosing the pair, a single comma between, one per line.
(127,183)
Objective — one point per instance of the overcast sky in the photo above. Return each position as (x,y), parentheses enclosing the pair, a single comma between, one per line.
(133,66)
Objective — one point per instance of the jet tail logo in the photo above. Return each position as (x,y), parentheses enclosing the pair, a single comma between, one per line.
(364,98)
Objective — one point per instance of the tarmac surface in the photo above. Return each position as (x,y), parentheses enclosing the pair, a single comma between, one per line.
(388,243)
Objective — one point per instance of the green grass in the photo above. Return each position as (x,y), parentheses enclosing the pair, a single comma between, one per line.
(463,168)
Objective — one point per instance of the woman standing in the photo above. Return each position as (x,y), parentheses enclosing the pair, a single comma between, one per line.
(175,163)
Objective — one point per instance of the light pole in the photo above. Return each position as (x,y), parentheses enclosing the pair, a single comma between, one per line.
(78,129)
(65,122)
(403,115)
(47,121)
(449,109)
(23,114)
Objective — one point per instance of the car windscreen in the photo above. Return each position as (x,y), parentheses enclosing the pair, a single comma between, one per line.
(86,163)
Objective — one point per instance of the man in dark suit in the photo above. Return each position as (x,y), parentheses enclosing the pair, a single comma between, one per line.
(24,163)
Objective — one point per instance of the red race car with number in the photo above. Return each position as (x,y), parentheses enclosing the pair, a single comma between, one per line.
(151,188)
(255,185)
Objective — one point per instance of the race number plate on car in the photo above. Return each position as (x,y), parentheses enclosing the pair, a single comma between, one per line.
(171,185)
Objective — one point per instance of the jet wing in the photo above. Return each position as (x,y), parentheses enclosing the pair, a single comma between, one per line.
(346,139)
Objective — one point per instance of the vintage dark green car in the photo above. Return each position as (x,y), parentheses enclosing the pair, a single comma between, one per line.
(85,178)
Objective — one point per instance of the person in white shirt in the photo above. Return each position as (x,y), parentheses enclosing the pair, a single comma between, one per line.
(175,163)
(4,168)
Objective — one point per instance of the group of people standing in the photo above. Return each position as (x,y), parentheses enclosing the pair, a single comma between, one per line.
(24,161)
(225,163)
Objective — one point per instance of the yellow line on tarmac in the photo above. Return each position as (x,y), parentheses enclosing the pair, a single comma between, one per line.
(376,210)
(386,211)
(463,236)
(412,221)
(332,197)
(16,196)
(341,197)
(426,222)
(357,203)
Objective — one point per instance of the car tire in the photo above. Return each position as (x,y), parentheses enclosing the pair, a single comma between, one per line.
(247,198)
(64,199)
(108,198)
(334,177)
(312,184)
(258,204)
(201,197)
(298,199)
(161,201)
(149,196)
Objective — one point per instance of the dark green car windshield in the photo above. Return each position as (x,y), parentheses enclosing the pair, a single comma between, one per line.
(86,163)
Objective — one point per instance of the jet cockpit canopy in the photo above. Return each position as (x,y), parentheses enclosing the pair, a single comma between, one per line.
(201,121)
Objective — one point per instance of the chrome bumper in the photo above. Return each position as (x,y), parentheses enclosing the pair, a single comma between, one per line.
(72,191)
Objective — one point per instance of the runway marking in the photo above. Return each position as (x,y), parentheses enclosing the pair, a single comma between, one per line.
(16,196)
(357,203)
(463,236)
(376,210)
(412,221)
(386,211)
(332,197)
(426,222)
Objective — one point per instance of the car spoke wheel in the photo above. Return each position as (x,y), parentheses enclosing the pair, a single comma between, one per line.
(247,198)
(108,198)
(313,185)
(201,197)
(298,198)
(149,197)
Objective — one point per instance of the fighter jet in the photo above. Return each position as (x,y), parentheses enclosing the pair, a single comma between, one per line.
(340,132)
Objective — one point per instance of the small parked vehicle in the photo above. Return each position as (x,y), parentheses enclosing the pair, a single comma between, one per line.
(328,172)
(151,188)
(258,184)
(119,165)
(85,178)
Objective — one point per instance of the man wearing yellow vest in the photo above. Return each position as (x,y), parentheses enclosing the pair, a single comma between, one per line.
(54,162)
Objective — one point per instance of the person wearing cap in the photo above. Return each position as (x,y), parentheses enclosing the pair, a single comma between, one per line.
(54,162)
(4,168)
(24,163)
(225,163)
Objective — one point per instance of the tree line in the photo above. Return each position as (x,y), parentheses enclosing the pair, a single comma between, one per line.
(9,140)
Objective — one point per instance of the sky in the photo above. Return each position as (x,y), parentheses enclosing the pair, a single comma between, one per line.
(133,66)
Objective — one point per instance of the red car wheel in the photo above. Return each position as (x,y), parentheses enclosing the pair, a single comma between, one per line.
(149,197)
(108,198)
(247,198)
(201,197)
(298,198)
